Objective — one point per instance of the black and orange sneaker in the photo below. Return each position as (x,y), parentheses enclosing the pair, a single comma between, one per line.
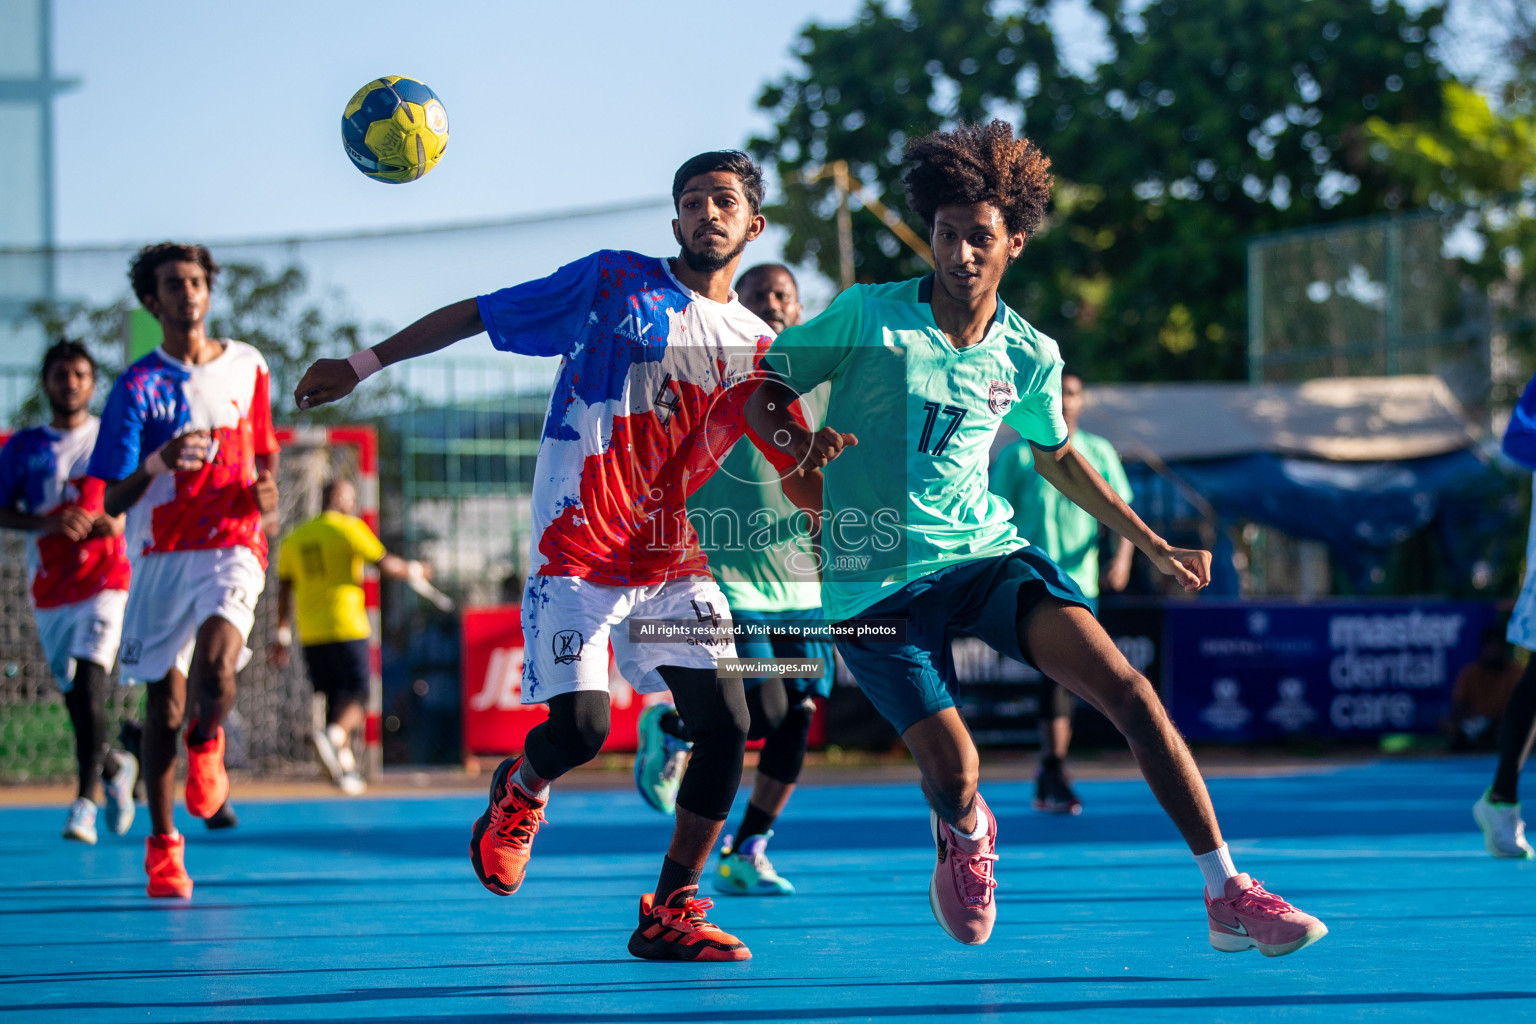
(678,930)
(502,839)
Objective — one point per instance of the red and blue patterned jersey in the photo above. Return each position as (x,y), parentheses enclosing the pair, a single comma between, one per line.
(43,471)
(159,398)
(649,398)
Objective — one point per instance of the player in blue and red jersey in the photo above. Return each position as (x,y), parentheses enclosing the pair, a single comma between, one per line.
(657,359)
(188,451)
(79,574)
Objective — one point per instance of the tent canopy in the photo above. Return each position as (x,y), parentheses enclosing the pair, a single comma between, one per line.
(1346,419)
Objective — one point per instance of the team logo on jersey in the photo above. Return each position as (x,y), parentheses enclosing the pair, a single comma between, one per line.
(131,652)
(999,397)
(567,646)
(633,328)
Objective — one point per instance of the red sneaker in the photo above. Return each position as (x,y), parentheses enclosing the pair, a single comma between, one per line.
(502,840)
(961,891)
(1247,917)
(678,930)
(207,782)
(163,863)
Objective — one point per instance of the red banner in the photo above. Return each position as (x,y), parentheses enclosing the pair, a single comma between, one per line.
(495,720)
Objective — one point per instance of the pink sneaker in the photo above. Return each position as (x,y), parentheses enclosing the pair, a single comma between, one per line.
(1247,917)
(961,891)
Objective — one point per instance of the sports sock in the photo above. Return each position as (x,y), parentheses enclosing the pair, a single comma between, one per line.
(981,826)
(196,737)
(529,782)
(675,876)
(671,723)
(1050,763)
(1217,867)
(754,822)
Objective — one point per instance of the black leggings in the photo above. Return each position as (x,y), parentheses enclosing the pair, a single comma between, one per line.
(781,718)
(86,702)
(1515,734)
(714,711)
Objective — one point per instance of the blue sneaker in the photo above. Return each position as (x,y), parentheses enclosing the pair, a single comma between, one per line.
(659,761)
(747,872)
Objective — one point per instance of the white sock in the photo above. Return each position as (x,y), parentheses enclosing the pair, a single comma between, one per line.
(981,826)
(1217,867)
(530,783)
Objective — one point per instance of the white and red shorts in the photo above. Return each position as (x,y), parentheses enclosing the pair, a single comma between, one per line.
(173,594)
(86,630)
(568,624)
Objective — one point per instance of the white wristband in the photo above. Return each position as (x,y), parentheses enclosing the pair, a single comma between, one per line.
(155,464)
(284,636)
(365,364)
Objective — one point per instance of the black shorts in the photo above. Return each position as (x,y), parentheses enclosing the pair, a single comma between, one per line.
(339,670)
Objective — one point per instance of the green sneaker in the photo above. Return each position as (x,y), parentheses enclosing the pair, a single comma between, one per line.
(747,872)
(659,761)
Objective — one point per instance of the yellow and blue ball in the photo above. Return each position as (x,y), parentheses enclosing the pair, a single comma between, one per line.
(395,129)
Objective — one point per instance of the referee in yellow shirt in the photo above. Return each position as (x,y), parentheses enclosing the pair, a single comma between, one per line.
(320,577)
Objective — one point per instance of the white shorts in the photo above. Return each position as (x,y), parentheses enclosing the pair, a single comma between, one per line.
(568,624)
(82,631)
(174,593)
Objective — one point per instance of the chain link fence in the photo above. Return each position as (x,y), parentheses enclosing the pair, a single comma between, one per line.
(268,731)
(1405,294)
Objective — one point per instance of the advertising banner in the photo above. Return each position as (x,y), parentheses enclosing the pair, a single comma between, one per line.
(1269,670)
(1000,697)
(495,720)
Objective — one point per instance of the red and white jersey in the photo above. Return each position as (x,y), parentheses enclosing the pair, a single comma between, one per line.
(653,380)
(43,471)
(159,398)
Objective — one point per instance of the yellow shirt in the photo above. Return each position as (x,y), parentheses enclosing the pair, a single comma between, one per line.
(324,559)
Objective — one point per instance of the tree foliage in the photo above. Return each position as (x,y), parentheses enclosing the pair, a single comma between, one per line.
(273,311)
(1210,121)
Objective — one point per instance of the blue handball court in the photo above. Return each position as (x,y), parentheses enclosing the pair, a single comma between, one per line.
(368,910)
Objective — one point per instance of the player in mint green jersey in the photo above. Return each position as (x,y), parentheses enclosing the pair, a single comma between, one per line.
(1070,536)
(762,554)
(918,549)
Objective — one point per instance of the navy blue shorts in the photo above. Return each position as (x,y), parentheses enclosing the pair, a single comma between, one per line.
(751,643)
(339,670)
(984,598)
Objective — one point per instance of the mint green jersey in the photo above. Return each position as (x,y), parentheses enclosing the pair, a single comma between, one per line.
(911,497)
(1049,518)
(758,542)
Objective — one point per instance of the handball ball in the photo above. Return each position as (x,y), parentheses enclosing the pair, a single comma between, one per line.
(395,129)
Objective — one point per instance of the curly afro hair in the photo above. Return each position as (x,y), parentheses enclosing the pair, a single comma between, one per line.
(976,164)
(149,259)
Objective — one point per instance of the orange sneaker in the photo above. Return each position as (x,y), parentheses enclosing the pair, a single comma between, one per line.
(207,782)
(502,840)
(163,863)
(678,930)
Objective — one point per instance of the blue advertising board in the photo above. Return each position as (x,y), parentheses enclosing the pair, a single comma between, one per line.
(1267,670)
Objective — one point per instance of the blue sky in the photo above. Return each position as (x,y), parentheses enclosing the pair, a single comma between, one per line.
(220,121)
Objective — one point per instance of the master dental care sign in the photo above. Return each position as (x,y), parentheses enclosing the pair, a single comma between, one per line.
(1267,670)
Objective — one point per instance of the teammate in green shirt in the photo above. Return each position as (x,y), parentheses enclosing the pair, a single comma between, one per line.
(917,548)
(1070,536)
(762,553)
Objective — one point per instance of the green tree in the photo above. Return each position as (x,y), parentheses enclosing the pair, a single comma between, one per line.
(1210,121)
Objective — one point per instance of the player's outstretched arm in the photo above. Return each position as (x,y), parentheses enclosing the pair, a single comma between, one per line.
(329,380)
(769,414)
(71,522)
(1071,474)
